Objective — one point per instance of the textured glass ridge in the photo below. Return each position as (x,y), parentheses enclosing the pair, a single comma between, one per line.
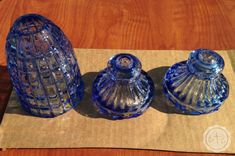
(42,67)
(122,90)
(197,86)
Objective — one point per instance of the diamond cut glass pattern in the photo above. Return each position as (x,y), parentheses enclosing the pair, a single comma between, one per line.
(42,67)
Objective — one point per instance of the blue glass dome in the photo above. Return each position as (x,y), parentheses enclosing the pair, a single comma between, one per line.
(197,86)
(42,67)
(123,89)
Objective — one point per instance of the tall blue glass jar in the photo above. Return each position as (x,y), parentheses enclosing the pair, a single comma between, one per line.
(197,86)
(42,67)
(123,89)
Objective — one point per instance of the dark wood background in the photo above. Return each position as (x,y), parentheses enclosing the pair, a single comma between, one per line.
(124,24)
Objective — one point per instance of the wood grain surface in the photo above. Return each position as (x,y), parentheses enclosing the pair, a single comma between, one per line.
(132,24)
(124,24)
(99,152)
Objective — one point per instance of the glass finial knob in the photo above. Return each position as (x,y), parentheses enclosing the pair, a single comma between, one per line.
(205,63)
(124,67)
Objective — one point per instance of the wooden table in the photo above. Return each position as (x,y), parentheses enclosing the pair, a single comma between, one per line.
(124,24)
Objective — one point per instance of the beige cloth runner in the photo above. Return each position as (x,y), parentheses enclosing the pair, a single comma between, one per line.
(160,128)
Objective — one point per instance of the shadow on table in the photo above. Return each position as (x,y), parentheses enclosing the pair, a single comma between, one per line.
(160,102)
(14,106)
(86,107)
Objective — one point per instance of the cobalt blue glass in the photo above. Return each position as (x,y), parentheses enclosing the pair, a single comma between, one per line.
(123,89)
(197,86)
(42,67)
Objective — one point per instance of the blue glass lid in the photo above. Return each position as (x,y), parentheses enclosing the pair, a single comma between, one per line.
(205,63)
(124,66)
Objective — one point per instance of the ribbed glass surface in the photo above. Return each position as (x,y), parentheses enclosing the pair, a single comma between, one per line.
(197,86)
(42,67)
(122,90)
